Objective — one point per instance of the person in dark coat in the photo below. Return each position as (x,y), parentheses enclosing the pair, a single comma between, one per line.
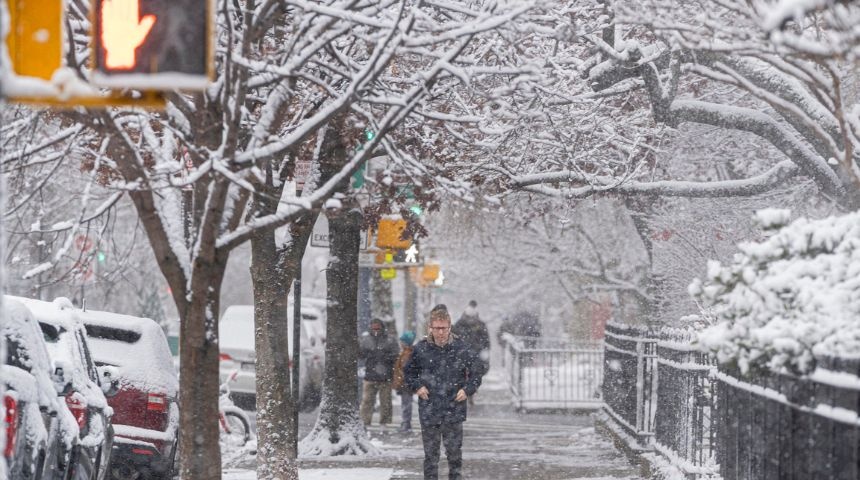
(474,332)
(443,371)
(399,386)
(379,352)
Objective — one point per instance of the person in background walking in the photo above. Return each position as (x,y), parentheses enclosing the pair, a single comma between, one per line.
(379,353)
(443,371)
(474,332)
(399,386)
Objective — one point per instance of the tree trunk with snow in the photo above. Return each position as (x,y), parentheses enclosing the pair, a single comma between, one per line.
(273,271)
(338,430)
(199,361)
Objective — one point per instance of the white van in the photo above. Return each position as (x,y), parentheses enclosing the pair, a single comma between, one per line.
(237,353)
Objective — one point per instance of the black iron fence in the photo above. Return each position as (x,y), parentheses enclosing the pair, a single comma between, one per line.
(683,430)
(671,398)
(630,380)
(546,373)
(775,426)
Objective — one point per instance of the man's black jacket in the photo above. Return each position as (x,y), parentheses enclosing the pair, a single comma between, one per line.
(444,371)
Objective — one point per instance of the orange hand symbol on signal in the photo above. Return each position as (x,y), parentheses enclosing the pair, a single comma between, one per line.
(123,31)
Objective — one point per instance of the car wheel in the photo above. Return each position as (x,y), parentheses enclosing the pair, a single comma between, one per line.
(124,471)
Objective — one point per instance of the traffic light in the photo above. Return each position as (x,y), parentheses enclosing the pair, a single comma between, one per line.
(101,257)
(152,44)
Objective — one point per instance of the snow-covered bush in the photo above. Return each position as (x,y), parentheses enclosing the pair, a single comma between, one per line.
(787,299)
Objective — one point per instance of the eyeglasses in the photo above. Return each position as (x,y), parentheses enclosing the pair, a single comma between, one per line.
(439,328)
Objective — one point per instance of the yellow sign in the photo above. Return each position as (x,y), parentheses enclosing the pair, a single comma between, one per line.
(35,37)
(388,273)
(388,234)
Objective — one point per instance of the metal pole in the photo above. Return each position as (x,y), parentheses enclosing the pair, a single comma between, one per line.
(297,331)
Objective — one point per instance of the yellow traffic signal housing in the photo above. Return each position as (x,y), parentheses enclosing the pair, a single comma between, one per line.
(430,272)
(389,232)
(35,37)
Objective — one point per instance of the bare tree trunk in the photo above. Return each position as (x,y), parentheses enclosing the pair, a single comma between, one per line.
(198,432)
(272,272)
(338,430)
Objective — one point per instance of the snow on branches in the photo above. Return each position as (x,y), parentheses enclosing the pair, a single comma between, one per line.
(788,299)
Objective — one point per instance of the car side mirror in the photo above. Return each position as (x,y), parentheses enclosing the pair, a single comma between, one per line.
(61,384)
(109,380)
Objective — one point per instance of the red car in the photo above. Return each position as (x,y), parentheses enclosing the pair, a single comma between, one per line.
(146,408)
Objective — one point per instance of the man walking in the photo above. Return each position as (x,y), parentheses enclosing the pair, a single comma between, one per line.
(474,332)
(443,371)
(379,353)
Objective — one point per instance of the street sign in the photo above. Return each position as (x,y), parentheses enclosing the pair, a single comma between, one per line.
(302,173)
(320,237)
(153,44)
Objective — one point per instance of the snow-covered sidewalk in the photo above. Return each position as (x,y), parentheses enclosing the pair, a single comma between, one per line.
(499,444)
(322,474)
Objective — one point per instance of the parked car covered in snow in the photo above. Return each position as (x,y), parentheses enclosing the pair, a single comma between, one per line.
(38,427)
(238,355)
(82,391)
(146,408)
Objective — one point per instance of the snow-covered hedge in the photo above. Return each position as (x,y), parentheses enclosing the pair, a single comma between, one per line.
(787,299)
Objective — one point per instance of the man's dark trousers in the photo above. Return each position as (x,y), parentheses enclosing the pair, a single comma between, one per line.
(451,434)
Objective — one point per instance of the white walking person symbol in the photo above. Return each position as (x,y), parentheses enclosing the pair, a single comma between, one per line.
(411,253)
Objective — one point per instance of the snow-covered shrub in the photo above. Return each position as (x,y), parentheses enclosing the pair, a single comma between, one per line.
(787,299)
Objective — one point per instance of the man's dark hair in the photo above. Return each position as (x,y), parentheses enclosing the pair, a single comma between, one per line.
(473,303)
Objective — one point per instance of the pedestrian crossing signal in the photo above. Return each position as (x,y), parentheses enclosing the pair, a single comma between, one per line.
(152,44)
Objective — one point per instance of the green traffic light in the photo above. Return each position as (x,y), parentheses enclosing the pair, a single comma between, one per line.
(416,209)
(101,257)
(368,134)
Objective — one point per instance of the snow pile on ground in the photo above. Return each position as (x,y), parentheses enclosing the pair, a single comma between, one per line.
(787,299)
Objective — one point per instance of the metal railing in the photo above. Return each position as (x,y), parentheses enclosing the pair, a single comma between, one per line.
(630,384)
(684,428)
(781,426)
(545,373)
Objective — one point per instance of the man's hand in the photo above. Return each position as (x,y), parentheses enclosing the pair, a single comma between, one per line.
(423,393)
(461,395)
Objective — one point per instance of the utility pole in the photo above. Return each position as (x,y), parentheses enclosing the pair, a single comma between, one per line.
(410,300)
